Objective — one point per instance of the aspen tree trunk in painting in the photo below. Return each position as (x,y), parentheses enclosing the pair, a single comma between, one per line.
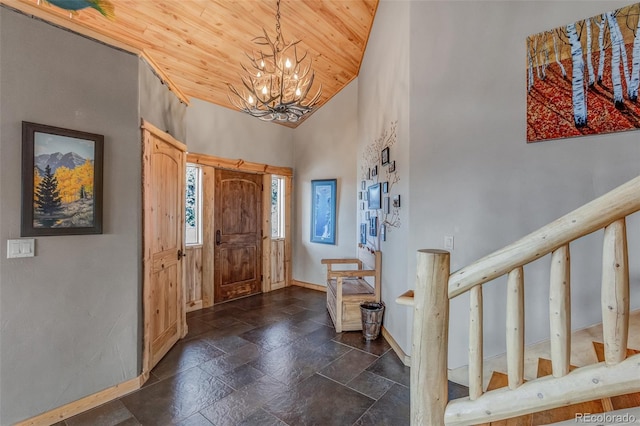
(615,62)
(579,101)
(530,84)
(535,56)
(546,56)
(592,77)
(555,49)
(601,28)
(623,50)
(635,66)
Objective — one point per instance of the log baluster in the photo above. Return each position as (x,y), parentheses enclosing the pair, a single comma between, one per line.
(475,342)
(560,311)
(515,327)
(615,292)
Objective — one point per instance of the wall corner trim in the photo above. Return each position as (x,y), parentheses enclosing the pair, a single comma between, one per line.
(83,404)
(406,359)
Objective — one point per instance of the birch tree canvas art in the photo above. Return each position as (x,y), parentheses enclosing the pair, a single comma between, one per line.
(583,78)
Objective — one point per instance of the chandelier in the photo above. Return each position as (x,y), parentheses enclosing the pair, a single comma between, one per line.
(277,81)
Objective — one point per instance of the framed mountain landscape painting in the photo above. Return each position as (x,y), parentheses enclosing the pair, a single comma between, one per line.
(583,78)
(61,181)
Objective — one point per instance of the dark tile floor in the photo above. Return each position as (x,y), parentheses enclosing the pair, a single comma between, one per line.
(272,359)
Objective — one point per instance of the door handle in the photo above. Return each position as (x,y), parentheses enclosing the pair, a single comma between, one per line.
(218,237)
(181,254)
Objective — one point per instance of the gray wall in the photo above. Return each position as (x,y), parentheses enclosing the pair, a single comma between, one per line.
(222,132)
(69,316)
(383,97)
(159,106)
(474,177)
(325,148)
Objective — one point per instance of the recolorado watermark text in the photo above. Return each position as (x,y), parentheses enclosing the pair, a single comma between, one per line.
(606,418)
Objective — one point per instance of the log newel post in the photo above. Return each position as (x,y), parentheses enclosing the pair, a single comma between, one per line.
(429,390)
(615,292)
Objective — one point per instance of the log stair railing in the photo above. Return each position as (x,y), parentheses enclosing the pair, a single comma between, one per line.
(499,380)
(435,286)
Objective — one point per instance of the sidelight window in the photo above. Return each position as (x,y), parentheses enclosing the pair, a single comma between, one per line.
(277,207)
(193,204)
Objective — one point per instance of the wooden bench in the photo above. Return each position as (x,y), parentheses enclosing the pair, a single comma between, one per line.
(348,287)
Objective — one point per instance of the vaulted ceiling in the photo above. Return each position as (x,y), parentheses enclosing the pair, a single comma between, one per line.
(196,46)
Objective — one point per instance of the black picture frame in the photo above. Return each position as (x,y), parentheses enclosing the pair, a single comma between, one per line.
(385,187)
(67,166)
(384,156)
(374,197)
(392,166)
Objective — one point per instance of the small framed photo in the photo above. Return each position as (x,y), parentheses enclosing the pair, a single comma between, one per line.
(362,206)
(365,196)
(373,197)
(368,174)
(367,215)
(373,226)
(385,187)
(387,205)
(396,201)
(374,171)
(363,233)
(392,167)
(363,185)
(383,232)
(360,195)
(385,156)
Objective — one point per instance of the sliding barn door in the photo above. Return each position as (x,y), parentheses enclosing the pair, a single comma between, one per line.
(238,235)
(163,215)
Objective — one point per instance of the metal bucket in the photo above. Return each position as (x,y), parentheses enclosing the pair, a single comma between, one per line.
(372,313)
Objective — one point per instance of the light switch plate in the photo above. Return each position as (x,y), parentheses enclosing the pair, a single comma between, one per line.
(448,242)
(23,247)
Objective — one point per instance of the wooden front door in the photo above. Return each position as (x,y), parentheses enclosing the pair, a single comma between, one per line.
(163,203)
(238,235)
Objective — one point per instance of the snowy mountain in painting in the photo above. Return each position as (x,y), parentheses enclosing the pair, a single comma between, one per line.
(69,160)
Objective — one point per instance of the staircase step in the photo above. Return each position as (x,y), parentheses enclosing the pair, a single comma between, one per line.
(563,413)
(622,401)
(501,380)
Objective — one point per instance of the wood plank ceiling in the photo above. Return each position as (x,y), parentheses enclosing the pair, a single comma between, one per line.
(196,46)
